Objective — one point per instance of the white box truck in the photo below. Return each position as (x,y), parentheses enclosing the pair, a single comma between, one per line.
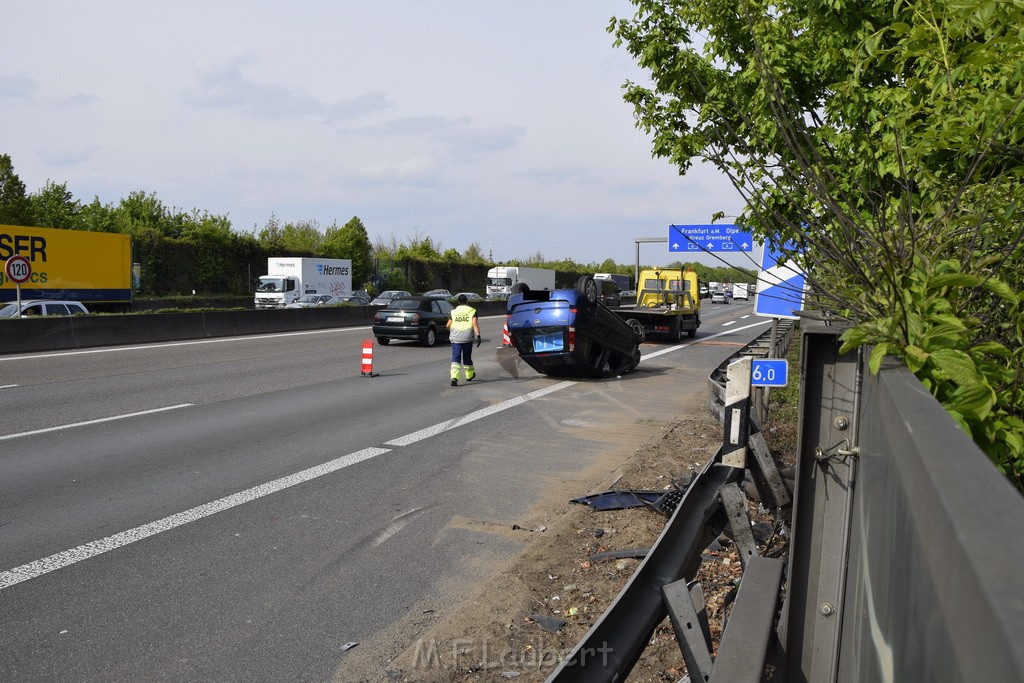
(740,291)
(501,280)
(288,278)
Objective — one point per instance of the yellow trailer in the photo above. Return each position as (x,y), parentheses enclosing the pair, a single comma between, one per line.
(92,267)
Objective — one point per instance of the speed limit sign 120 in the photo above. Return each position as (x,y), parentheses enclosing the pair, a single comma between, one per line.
(18,269)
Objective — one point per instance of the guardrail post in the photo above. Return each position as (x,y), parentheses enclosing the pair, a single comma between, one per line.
(737,413)
(765,474)
(688,613)
(738,527)
(745,640)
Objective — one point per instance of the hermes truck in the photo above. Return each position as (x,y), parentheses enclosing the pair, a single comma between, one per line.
(78,265)
(667,304)
(288,278)
(501,280)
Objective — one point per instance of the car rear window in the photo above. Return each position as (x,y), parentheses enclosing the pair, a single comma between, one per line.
(405,304)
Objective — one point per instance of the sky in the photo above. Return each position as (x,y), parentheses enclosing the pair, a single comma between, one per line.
(499,124)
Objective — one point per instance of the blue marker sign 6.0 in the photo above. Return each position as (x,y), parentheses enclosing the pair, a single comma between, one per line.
(769,372)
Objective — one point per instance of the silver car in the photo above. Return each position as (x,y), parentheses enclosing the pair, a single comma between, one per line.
(41,307)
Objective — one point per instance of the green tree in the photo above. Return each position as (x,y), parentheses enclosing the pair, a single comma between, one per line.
(139,213)
(55,207)
(879,145)
(15,208)
(351,241)
(271,236)
(420,247)
(303,237)
(97,217)
(474,254)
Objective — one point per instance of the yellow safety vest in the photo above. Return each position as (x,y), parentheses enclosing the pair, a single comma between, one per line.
(462,324)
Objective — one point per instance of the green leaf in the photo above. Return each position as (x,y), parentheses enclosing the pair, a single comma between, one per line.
(954,365)
(973,401)
(954,280)
(1002,290)
(878,354)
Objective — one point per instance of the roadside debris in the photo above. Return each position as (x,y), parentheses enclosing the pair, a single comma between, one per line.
(629,553)
(549,624)
(664,502)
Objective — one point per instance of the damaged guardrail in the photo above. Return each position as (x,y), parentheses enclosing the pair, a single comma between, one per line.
(663,585)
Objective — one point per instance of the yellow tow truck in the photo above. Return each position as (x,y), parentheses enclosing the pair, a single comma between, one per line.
(667,304)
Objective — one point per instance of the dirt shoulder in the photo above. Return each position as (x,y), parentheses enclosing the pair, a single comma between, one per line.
(522,618)
(525,618)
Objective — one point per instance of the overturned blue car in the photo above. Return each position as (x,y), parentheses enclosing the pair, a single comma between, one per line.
(570,333)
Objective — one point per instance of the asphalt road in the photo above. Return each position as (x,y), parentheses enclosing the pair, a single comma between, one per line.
(241,509)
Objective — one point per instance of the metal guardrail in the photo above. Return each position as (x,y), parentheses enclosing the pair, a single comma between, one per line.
(906,550)
(904,562)
(663,583)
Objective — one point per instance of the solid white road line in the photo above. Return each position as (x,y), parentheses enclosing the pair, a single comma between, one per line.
(475,415)
(94,548)
(92,422)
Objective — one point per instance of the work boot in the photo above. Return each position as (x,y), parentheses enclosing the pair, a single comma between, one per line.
(455,382)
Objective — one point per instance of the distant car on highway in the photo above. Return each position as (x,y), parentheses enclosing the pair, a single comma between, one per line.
(419,318)
(309,300)
(470,297)
(349,300)
(385,298)
(719,298)
(43,307)
(439,292)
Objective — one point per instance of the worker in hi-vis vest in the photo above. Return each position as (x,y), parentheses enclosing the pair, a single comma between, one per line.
(463,327)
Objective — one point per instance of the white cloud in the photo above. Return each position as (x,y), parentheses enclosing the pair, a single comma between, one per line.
(18,86)
(467,122)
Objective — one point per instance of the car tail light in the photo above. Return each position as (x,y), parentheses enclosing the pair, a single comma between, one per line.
(376,317)
(572,339)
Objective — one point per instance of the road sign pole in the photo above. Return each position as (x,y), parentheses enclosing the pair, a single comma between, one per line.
(18,270)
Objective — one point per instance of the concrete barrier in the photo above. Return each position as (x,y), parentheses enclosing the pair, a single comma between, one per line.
(29,335)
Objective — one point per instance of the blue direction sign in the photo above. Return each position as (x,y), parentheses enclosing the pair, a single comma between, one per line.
(769,372)
(716,238)
(780,287)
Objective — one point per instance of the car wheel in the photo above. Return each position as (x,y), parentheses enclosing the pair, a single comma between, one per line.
(691,333)
(587,287)
(430,337)
(638,329)
(383,341)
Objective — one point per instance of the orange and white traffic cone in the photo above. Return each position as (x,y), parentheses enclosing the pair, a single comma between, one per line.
(367,367)
(506,339)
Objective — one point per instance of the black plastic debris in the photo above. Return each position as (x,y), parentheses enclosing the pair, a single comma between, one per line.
(620,500)
(668,503)
(664,502)
(549,624)
(629,553)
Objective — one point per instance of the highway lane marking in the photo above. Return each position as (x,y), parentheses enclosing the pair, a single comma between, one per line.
(475,415)
(92,422)
(8,386)
(690,343)
(94,548)
(88,550)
